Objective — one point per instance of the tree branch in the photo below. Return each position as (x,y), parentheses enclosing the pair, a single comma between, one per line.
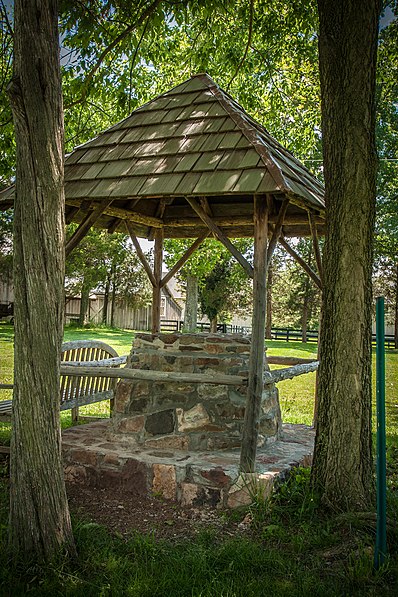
(6,19)
(133,61)
(249,40)
(146,15)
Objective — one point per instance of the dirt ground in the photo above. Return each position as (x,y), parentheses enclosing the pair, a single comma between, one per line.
(123,513)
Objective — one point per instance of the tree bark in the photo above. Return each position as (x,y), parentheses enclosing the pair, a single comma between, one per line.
(106,301)
(191,304)
(84,303)
(342,469)
(396,310)
(39,516)
(113,299)
(213,325)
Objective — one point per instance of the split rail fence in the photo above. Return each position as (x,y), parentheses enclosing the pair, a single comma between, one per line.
(286,334)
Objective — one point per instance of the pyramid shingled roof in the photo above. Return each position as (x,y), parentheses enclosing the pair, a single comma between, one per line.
(193,140)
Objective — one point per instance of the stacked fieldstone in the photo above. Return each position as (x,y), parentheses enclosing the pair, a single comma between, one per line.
(190,416)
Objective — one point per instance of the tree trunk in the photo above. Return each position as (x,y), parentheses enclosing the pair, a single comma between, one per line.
(213,325)
(39,515)
(113,304)
(396,310)
(191,304)
(106,301)
(268,324)
(84,303)
(342,469)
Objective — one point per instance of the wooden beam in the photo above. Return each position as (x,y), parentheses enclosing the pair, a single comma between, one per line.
(277,230)
(184,258)
(85,225)
(140,253)
(275,360)
(157,272)
(290,372)
(204,203)
(127,373)
(238,220)
(124,214)
(220,236)
(315,243)
(257,354)
(114,226)
(301,261)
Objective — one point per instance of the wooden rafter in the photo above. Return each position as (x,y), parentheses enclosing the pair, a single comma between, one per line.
(114,225)
(301,261)
(85,225)
(315,242)
(220,236)
(277,230)
(125,214)
(184,258)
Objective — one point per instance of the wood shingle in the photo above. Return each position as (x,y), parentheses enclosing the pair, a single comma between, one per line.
(193,140)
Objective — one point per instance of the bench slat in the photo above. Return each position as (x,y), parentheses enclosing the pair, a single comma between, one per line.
(77,391)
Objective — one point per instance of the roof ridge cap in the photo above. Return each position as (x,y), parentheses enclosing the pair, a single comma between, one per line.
(249,132)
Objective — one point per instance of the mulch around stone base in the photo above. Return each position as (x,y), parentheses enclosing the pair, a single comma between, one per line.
(124,513)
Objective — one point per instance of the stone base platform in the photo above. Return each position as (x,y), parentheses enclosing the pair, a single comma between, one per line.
(190,478)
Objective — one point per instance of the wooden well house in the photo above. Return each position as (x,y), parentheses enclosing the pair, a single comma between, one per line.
(192,163)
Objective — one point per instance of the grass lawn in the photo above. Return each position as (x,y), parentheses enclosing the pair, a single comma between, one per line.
(294,549)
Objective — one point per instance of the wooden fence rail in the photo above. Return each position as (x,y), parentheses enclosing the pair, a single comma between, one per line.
(286,334)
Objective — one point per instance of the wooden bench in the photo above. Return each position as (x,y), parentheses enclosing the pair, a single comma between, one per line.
(77,391)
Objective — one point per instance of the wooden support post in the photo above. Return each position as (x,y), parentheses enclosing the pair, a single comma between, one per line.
(220,235)
(301,261)
(318,256)
(157,273)
(256,364)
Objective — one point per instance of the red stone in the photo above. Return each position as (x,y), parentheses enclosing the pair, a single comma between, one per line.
(217,477)
(81,456)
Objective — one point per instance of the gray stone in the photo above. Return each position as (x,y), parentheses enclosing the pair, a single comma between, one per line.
(160,423)
(194,418)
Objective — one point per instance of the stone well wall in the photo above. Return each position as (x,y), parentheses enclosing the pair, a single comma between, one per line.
(190,416)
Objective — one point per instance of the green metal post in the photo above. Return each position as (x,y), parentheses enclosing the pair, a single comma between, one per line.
(381,533)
